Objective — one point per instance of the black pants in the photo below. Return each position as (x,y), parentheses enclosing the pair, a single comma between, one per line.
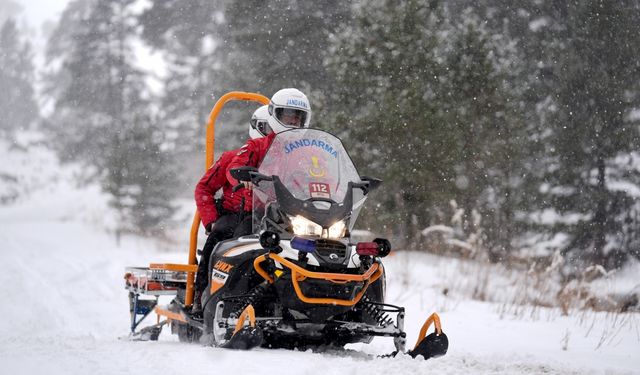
(229,225)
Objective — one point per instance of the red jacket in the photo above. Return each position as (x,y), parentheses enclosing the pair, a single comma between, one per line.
(214,179)
(251,154)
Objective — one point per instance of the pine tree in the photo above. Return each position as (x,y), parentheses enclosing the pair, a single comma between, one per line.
(102,117)
(388,79)
(186,34)
(142,189)
(216,47)
(270,45)
(431,107)
(592,132)
(18,106)
(482,102)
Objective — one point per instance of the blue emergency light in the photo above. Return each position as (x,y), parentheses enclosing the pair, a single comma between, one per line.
(303,244)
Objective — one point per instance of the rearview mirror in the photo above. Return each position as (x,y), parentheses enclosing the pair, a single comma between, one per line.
(247,173)
(374,183)
(243,173)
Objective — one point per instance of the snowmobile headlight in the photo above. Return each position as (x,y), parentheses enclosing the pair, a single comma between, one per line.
(337,229)
(305,227)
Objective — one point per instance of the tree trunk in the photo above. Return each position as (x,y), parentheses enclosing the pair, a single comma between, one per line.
(600,218)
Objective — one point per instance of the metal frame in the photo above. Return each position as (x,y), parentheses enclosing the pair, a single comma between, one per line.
(191,266)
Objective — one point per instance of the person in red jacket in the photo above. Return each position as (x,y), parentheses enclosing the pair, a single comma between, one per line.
(221,217)
(288,108)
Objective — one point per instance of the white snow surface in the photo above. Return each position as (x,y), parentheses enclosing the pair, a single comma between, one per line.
(65,308)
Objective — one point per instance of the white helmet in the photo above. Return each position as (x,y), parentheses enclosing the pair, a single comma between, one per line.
(259,125)
(289,108)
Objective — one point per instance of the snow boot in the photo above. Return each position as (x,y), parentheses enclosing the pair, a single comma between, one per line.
(196,308)
(246,338)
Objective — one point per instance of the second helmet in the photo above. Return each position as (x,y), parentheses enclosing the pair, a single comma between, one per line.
(259,124)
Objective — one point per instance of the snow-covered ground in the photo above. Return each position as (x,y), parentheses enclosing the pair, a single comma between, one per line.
(64,306)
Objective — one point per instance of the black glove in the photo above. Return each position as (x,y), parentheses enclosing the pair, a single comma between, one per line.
(207,229)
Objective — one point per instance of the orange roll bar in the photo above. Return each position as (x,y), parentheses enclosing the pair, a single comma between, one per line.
(195,225)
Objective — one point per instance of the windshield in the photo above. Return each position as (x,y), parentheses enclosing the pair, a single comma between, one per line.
(313,165)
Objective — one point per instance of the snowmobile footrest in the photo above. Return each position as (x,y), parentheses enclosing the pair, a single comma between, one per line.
(149,333)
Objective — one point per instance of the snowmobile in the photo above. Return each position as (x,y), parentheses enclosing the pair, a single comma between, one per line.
(298,281)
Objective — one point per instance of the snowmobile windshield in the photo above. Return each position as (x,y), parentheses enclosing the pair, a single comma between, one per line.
(313,166)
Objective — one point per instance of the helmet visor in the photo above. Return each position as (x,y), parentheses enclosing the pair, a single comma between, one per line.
(262,126)
(291,117)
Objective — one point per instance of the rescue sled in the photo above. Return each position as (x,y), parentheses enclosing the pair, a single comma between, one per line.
(298,281)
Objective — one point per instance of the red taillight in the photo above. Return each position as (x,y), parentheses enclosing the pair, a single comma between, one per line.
(367,248)
(380,247)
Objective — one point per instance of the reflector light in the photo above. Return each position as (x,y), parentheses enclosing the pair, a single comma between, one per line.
(303,244)
(367,248)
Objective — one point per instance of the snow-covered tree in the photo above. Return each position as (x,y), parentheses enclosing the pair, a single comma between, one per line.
(386,70)
(429,108)
(18,107)
(270,45)
(482,105)
(102,113)
(595,132)
(185,33)
(215,47)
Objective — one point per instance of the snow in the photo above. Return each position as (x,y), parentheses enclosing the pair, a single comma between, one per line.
(538,23)
(42,192)
(540,245)
(152,63)
(437,228)
(621,281)
(550,216)
(627,187)
(65,307)
(633,115)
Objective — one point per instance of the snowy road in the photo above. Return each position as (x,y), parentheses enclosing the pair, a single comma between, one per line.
(65,307)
